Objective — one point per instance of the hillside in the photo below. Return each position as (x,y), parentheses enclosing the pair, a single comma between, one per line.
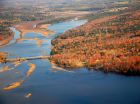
(108,42)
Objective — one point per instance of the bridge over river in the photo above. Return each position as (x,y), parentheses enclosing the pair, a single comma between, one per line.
(26,58)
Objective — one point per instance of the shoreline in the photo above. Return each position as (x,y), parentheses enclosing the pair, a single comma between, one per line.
(7,40)
(81,47)
(33,27)
(38,26)
(26,28)
(23,28)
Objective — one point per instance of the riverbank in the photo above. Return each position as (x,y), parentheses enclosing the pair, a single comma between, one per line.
(27,27)
(32,26)
(23,28)
(101,44)
(3,56)
(6,40)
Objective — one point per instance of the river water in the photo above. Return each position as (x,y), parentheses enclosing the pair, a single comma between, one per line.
(49,85)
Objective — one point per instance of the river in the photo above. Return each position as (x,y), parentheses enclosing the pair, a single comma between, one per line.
(50,85)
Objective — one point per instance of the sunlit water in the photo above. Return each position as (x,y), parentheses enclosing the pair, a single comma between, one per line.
(52,86)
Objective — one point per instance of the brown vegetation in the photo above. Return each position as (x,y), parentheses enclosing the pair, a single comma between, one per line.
(111,44)
(6,34)
(3,56)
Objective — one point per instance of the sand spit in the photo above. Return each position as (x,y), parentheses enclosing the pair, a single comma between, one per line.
(31,69)
(32,26)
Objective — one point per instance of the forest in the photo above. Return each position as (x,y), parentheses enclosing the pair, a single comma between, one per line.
(109,42)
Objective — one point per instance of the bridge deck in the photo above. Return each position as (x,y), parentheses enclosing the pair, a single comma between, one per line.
(26,58)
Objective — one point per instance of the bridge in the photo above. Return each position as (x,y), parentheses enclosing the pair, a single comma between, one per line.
(26,58)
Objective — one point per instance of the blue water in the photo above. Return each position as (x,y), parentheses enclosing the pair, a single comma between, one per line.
(52,86)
